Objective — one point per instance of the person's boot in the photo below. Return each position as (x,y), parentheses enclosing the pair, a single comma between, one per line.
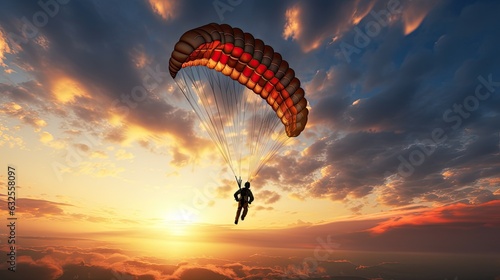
(236,222)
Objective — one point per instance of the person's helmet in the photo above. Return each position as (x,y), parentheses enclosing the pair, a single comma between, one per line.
(247,185)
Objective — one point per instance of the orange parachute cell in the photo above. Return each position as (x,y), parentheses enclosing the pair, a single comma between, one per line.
(249,61)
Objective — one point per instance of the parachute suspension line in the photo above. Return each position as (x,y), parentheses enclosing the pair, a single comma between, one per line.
(267,136)
(243,126)
(216,92)
(230,101)
(243,105)
(272,151)
(269,139)
(193,90)
(256,131)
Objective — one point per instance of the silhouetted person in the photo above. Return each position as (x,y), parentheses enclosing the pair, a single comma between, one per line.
(246,197)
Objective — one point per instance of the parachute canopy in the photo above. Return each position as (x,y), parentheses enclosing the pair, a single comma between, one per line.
(210,61)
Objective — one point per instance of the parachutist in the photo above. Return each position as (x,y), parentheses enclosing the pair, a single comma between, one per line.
(246,198)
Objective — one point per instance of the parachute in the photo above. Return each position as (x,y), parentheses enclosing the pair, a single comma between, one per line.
(242,91)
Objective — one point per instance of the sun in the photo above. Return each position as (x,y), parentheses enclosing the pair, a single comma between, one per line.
(180,223)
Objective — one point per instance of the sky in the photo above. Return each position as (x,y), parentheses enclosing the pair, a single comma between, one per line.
(396,175)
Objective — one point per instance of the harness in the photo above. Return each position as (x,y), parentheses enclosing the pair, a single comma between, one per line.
(244,194)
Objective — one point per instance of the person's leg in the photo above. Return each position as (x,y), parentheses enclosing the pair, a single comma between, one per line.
(245,210)
(238,213)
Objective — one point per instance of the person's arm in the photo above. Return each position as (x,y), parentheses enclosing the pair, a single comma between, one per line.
(250,194)
(236,194)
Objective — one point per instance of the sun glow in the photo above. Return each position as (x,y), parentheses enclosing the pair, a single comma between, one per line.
(180,222)
(67,90)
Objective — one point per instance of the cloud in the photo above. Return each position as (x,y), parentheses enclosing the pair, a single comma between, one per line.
(292,25)
(26,268)
(99,154)
(164,8)
(179,159)
(316,250)
(366,113)
(413,14)
(483,215)
(23,93)
(357,209)
(311,24)
(226,190)
(268,197)
(93,86)
(67,90)
(97,168)
(107,263)
(301,223)
(39,207)
(371,113)
(7,137)
(122,154)
(213,272)
(46,137)
(27,116)
(259,207)
(4,50)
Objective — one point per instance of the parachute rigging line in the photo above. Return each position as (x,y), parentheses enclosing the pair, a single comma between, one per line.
(243,127)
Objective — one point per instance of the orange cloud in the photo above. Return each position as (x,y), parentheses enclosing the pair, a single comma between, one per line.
(209,272)
(293,29)
(4,49)
(293,25)
(11,140)
(360,11)
(140,58)
(66,90)
(164,8)
(299,27)
(27,116)
(486,214)
(46,137)
(414,13)
(107,263)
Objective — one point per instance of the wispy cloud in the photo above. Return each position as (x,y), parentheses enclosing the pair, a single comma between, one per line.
(165,8)
(461,215)
(414,14)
